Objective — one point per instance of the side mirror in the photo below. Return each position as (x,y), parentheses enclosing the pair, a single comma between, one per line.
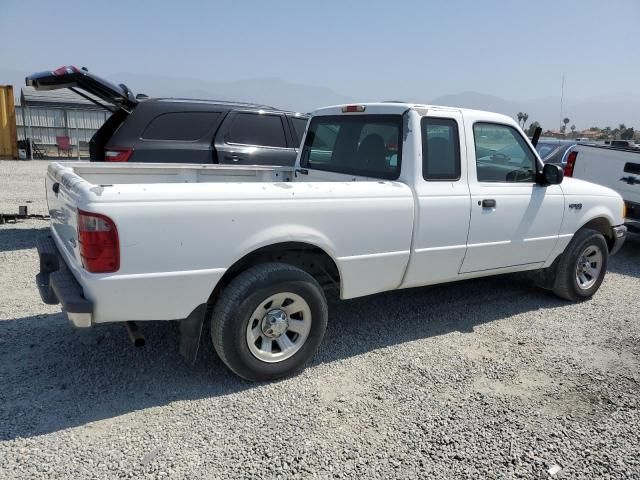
(551,174)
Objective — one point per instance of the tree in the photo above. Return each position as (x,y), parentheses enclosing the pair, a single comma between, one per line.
(525,117)
(532,128)
(621,129)
(573,129)
(520,115)
(566,121)
(628,134)
(563,129)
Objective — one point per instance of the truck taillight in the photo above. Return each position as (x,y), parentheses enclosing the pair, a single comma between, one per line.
(98,240)
(117,154)
(571,163)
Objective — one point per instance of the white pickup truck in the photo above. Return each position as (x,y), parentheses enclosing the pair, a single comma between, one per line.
(615,167)
(383,196)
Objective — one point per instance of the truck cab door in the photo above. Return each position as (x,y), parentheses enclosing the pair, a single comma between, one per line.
(255,138)
(443,202)
(514,221)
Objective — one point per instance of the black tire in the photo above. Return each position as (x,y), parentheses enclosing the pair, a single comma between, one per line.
(566,284)
(242,296)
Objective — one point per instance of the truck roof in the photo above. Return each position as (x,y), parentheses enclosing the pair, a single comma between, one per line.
(396,108)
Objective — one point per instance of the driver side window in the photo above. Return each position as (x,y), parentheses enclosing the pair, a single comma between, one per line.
(502,155)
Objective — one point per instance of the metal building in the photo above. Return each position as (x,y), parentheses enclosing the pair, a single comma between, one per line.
(44,118)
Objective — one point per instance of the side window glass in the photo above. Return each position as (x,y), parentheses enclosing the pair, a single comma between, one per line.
(299,124)
(181,126)
(502,155)
(323,143)
(257,129)
(440,149)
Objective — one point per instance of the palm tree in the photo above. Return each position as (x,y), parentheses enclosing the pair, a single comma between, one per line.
(573,129)
(525,117)
(566,121)
(520,115)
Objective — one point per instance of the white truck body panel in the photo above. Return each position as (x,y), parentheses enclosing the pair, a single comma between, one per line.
(191,233)
(606,166)
(182,227)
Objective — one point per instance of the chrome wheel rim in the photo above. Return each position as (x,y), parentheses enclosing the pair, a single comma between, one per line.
(589,267)
(278,327)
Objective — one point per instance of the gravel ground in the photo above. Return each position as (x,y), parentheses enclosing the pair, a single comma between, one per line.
(488,378)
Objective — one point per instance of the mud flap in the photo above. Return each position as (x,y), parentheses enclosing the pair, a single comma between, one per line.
(190,333)
(546,278)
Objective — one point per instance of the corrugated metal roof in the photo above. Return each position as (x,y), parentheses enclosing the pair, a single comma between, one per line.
(61,98)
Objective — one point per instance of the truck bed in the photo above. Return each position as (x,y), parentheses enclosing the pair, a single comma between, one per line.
(132,173)
(181,226)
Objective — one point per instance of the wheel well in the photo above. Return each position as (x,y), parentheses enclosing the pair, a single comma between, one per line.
(313,260)
(603,226)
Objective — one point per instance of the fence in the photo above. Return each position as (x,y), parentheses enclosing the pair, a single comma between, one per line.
(42,125)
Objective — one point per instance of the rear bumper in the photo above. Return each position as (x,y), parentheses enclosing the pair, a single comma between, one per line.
(57,284)
(619,236)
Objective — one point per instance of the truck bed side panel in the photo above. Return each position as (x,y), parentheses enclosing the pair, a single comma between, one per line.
(178,239)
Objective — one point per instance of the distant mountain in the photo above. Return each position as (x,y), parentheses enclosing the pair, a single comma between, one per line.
(607,110)
(479,101)
(268,91)
(601,112)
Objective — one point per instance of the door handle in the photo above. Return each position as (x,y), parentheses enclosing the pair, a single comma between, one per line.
(233,157)
(488,203)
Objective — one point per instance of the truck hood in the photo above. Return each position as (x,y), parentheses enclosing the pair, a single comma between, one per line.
(574,186)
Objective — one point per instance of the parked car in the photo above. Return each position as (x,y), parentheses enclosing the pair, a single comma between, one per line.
(624,144)
(554,150)
(615,167)
(174,130)
(383,196)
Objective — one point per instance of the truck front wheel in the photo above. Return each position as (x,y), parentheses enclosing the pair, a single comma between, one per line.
(269,321)
(582,266)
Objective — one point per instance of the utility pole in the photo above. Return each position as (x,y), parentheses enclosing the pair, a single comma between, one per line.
(561,102)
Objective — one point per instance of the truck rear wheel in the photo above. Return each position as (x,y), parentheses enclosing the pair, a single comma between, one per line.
(582,266)
(269,321)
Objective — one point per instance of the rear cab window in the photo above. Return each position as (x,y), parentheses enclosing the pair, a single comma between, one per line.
(258,129)
(367,145)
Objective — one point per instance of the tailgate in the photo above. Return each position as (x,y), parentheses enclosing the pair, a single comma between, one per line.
(80,79)
(613,168)
(62,201)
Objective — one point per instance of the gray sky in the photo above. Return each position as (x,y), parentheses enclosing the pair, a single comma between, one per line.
(513,49)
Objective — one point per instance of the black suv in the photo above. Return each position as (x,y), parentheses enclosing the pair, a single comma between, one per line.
(172,130)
